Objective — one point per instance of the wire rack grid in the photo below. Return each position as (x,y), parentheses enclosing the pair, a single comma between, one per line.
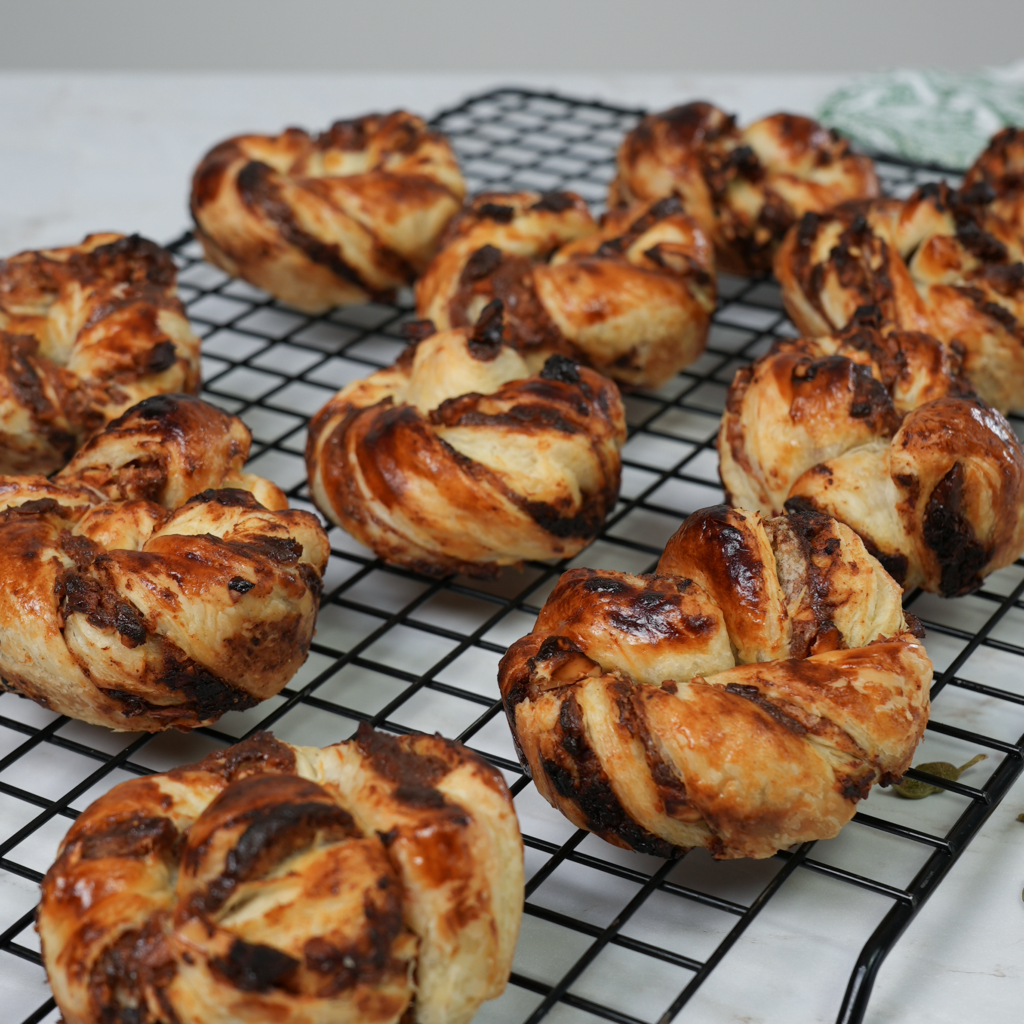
(607,935)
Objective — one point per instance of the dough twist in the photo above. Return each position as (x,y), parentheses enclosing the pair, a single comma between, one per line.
(880,432)
(743,698)
(376,880)
(457,459)
(151,583)
(85,332)
(743,186)
(332,219)
(633,297)
(942,262)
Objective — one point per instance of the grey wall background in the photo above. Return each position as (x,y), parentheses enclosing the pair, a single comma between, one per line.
(516,35)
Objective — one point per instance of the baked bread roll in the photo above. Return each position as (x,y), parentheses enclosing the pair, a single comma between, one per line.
(942,262)
(880,432)
(151,583)
(743,186)
(85,332)
(378,880)
(458,459)
(632,298)
(743,698)
(331,219)
(1001,168)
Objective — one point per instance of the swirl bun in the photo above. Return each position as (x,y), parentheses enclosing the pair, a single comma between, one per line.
(880,432)
(457,459)
(743,698)
(744,187)
(85,332)
(331,219)
(632,298)
(376,880)
(151,583)
(942,262)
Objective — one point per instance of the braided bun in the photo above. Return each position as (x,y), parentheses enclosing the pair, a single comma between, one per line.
(457,459)
(743,698)
(1001,168)
(376,880)
(879,431)
(151,583)
(632,298)
(332,219)
(744,187)
(942,262)
(85,332)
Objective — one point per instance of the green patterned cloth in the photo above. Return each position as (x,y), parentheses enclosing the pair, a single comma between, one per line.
(928,116)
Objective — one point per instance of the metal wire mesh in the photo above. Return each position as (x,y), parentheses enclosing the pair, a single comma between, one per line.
(607,935)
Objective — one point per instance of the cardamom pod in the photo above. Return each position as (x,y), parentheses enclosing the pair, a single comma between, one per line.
(912,789)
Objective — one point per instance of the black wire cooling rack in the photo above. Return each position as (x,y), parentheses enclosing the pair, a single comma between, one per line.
(607,935)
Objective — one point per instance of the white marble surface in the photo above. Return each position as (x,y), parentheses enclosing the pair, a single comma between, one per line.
(114,152)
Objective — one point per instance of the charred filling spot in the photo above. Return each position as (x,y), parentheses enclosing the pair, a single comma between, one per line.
(554,202)
(497,212)
(240,585)
(102,606)
(226,497)
(753,694)
(486,339)
(132,835)
(251,967)
(562,369)
(584,782)
(949,533)
(481,264)
(162,356)
(415,774)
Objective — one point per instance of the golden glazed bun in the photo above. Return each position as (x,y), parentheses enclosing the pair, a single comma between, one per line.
(85,332)
(330,219)
(632,298)
(459,459)
(368,882)
(743,186)
(880,432)
(151,583)
(743,698)
(943,262)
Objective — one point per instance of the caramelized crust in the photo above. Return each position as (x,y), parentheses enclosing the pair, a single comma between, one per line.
(378,880)
(880,431)
(743,698)
(331,219)
(85,332)
(457,459)
(633,297)
(152,583)
(743,186)
(1001,168)
(945,262)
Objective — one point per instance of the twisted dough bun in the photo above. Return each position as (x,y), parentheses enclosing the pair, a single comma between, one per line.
(879,431)
(151,583)
(1001,168)
(943,262)
(85,333)
(632,298)
(744,187)
(457,459)
(743,698)
(376,880)
(331,219)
